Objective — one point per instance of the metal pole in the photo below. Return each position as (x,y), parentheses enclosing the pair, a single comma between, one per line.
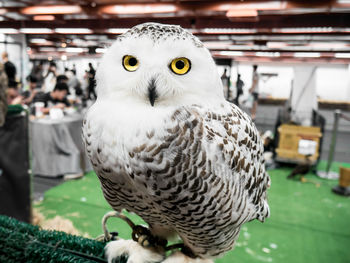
(329,174)
(337,113)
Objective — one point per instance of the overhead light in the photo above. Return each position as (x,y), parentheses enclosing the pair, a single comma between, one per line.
(217,44)
(311,30)
(36,30)
(84,43)
(228,30)
(38,40)
(75,50)
(101,50)
(231,53)
(44,18)
(307,55)
(233,13)
(192,30)
(342,55)
(328,46)
(267,54)
(303,30)
(49,58)
(8,31)
(276,44)
(265,5)
(117,30)
(47,49)
(343,1)
(73,31)
(3,11)
(138,9)
(64,57)
(223,38)
(51,9)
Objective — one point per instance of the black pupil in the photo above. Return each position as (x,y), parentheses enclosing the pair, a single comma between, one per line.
(180,64)
(132,62)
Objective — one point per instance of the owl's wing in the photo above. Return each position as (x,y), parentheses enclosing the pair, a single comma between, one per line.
(237,140)
(205,175)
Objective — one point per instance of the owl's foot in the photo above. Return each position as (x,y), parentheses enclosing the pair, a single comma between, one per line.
(132,250)
(144,237)
(179,257)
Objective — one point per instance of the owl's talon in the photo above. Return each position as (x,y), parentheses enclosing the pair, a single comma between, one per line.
(188,252)
(143,241)
(143,236)
(114,235)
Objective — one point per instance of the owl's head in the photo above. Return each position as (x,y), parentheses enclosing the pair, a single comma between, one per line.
(158,64)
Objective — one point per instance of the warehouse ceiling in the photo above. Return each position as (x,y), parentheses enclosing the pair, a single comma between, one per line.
(290,31)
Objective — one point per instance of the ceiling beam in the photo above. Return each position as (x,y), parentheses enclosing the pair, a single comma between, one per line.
(207,7)
(266,23)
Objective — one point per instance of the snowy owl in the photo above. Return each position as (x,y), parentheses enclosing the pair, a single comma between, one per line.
(167,146)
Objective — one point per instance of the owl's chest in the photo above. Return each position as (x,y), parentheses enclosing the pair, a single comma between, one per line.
(125,154)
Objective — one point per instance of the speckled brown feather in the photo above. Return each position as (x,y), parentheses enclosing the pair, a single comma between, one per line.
(203,177)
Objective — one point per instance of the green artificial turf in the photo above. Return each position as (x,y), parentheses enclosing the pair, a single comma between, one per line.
(308,222)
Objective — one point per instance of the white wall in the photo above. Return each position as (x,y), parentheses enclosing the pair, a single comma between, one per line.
(332,81)
(304,98)
(268,86)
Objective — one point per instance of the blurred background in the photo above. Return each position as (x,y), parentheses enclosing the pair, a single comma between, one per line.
(286,63)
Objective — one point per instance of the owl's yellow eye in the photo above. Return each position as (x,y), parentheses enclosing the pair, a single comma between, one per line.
(180,66)
(130,63)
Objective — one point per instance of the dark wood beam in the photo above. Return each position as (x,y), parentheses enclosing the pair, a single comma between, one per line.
(339,20)
(325,52)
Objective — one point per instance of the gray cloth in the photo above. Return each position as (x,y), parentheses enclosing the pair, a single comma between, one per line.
(57,147)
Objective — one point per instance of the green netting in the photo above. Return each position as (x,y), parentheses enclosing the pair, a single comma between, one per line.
(21,242)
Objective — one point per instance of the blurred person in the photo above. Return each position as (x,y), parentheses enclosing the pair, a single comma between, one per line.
(54,99)
(239,89)
(10,68)
(13,96)
(74,83)
(50,77)
(226,83)
(91,82)
(38,73)
(62,78)
(254,91)
(32,90)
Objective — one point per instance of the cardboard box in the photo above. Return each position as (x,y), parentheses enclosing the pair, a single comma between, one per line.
(295,142)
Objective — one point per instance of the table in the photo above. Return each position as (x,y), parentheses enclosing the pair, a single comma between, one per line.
(57,146)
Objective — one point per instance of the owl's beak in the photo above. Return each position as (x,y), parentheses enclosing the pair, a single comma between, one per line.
(152,93)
